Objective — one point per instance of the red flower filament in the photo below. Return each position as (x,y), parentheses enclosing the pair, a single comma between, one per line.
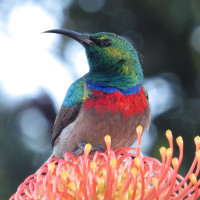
(121,174)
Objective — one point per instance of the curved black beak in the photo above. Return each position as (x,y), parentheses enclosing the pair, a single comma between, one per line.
(81,38)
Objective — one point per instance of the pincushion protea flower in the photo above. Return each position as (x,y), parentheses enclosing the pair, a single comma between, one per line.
(121,174)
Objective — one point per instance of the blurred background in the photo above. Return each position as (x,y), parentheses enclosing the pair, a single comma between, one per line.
(37,69)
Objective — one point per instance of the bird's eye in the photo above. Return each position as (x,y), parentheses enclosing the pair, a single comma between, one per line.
(102,42)
(107,42)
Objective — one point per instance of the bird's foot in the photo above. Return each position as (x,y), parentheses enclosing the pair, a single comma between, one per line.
(79,150)
(98,148)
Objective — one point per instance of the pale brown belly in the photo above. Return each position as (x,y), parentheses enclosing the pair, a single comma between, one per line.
(91,127)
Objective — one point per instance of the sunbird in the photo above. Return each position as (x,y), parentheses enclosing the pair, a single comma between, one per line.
(108,100)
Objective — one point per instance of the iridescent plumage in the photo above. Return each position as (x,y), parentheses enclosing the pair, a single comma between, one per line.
(110,99)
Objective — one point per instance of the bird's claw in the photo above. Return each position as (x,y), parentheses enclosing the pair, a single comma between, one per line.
(79,150)
(98,148)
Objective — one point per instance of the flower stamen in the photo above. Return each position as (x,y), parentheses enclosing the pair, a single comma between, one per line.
(156,186)
(139,134)
(121,174)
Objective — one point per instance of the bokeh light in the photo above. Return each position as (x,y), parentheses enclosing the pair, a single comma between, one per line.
(92,6)
(32,123)
(195,38)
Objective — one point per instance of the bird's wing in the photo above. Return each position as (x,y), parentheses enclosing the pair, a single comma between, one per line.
(74,99)
(65,116)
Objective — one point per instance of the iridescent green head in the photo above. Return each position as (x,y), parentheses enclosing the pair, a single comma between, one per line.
(112,59)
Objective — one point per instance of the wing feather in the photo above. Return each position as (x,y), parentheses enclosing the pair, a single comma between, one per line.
(74,99)
(65,116)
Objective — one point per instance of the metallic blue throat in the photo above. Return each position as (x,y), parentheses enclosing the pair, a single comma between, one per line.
(108,89)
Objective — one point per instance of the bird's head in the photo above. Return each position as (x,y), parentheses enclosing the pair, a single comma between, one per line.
(109,56)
